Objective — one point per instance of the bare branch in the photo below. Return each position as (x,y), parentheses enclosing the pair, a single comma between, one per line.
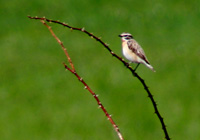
(61,44)
(121,60)
(73,71)
(98,102)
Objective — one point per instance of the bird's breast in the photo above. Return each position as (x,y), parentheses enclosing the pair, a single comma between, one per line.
(128,54)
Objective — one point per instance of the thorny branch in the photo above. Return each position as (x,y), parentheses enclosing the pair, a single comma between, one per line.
(98,102)
(61,44)
(73,71)
(120,59)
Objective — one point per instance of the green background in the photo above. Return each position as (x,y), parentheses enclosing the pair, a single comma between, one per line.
(39,100)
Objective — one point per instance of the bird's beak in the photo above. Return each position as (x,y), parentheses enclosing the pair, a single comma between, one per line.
(119,35)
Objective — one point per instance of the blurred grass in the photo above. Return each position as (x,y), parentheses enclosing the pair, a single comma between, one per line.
(39,100)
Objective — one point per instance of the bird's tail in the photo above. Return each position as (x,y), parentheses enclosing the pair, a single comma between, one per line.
(150,67)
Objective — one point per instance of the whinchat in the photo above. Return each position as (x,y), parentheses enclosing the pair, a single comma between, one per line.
(133,51)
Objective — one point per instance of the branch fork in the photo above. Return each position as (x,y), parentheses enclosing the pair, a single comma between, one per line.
(72,70)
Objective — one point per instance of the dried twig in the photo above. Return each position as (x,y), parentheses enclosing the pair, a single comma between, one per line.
(120,59)
(61,44)
(73,71)
(98,102)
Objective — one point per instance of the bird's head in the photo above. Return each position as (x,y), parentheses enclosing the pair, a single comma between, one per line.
(126,36)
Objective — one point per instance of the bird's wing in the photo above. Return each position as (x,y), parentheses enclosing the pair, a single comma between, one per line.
(137,49)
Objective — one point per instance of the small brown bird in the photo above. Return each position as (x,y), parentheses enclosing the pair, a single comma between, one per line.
(133,51)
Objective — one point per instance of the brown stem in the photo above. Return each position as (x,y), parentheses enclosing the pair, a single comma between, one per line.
(98,102)
(73,71)
(61,44)
(120,59)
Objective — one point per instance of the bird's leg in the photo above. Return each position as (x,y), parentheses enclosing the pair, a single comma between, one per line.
(136,66)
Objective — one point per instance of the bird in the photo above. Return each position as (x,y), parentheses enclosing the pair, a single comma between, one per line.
(132,51)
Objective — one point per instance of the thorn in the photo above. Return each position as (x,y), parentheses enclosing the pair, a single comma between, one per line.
(95,95)
(99,38)
(85,87)
(112,52)
(100,105)
(44,17)
(116,127)
(83,29)
(71,29)
(81,79)
(106,44)
(92,37)
(110,115)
